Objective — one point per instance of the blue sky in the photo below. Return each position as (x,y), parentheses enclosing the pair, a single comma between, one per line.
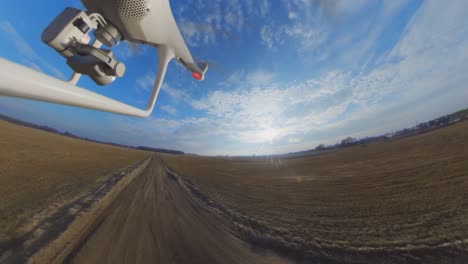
(285,75)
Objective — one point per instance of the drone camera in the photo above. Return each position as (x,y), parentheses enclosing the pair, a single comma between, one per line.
(69,26)
(85,39)
(69,34)
(99,64)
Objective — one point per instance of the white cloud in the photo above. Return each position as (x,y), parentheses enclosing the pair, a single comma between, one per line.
(236,77)
(128,50)
(198,33)
(177,95)
(307,28)
(273,36)
(145,82)
(438,24)
(264,7)
(259,77)
(309,36)
(169,109)
(318,29)
(21,44)
(220,19)
(392,7)
(361,50)
(349,7)
(266,35)
(294,140)
(422,77)
(247,113)
(30,57)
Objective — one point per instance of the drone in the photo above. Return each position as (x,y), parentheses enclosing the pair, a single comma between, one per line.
(147,22)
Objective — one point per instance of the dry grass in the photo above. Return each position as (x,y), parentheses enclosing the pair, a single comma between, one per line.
(58,250)
(404,200)
(38,169)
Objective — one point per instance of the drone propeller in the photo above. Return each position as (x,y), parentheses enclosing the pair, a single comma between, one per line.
(217,68)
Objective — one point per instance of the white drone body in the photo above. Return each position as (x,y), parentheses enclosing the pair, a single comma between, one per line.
(147,22)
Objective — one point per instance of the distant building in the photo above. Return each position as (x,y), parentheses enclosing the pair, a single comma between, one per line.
(320,147)
(348,141)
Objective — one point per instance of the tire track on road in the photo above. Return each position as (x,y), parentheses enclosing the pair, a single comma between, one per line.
(154,221)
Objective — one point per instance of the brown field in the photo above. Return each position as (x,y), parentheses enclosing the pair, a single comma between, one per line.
(156,220)
(39,169)
(396,202)
(401,201)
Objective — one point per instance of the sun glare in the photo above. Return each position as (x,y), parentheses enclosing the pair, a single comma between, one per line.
(269,135)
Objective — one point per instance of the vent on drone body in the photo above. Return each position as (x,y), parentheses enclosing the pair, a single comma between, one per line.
(132,11)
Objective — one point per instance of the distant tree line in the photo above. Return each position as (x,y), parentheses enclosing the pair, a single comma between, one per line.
(418,129)
(160,150)
(69,134)
(347,142)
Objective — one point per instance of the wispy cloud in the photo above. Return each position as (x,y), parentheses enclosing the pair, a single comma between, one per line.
(30,57)
(198,33)
(270,38)
(307,27)
(259,77)
(267,37)
(145,82)
(363,89)
(12,35)
(177,95)
(250,111)
(169,109)
(220,20)
(412,82)
(128,50)
(319,29)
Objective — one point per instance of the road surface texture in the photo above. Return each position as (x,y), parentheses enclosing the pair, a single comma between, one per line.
(156,220)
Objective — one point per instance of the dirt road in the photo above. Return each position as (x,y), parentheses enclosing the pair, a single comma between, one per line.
(154,220)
